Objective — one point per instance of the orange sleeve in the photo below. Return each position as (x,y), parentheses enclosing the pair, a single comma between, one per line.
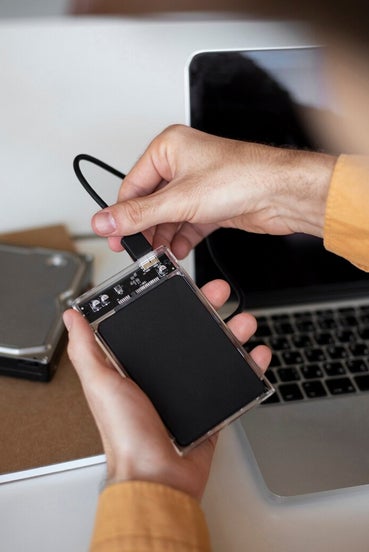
(346,228)
(148,517)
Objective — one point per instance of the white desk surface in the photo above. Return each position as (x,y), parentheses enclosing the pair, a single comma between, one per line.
(106,87)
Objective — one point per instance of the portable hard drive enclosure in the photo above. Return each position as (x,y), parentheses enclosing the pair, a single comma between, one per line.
(158,328)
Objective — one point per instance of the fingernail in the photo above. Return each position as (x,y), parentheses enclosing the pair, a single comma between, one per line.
(104,223)
(67,319)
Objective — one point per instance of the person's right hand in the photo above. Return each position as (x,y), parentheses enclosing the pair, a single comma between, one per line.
(188,183)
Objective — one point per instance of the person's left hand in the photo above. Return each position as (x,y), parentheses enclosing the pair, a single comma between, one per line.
(135,441)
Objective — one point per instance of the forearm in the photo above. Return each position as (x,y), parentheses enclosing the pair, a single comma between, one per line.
(295,187)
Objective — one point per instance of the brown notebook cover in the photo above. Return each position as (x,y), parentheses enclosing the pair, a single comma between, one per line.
(45,423)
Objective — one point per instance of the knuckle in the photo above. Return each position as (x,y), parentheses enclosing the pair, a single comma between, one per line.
(133,212)
(174,128)
(175,131)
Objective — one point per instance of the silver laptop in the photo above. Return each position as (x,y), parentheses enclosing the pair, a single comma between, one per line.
(312,307)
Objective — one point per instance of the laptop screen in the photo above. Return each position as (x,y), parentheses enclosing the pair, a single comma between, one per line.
(270,97)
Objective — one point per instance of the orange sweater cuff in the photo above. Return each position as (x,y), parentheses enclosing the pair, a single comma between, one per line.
(346,228)
(148,517)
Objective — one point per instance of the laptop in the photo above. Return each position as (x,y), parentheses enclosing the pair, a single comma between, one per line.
(312,307)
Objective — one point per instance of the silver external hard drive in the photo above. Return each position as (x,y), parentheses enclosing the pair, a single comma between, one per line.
(36,286)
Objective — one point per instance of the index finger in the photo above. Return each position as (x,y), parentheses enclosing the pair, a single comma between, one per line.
(147,174)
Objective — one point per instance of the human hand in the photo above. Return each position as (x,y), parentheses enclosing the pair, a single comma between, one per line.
(135,441)
(188,183)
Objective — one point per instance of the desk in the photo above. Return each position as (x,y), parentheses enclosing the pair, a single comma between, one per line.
(106,87)
(55,512)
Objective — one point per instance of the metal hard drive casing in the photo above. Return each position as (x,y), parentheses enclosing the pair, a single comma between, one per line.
(36,286)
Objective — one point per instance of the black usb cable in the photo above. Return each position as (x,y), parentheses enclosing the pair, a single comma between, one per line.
(136,245)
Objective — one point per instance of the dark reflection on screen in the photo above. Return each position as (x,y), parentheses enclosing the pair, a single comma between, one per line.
(232,95)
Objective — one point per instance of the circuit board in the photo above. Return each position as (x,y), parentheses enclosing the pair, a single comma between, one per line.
(127,287)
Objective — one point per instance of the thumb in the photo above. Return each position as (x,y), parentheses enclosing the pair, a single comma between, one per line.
(170,204)
(83,351)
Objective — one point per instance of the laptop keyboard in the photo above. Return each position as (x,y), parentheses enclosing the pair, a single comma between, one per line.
(316,353)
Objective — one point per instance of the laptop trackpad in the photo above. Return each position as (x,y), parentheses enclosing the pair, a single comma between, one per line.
(311,446)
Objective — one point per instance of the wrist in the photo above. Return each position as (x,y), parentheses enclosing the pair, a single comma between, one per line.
(187,473)
(297,184)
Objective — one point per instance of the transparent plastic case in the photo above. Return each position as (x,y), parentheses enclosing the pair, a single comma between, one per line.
(157,328)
